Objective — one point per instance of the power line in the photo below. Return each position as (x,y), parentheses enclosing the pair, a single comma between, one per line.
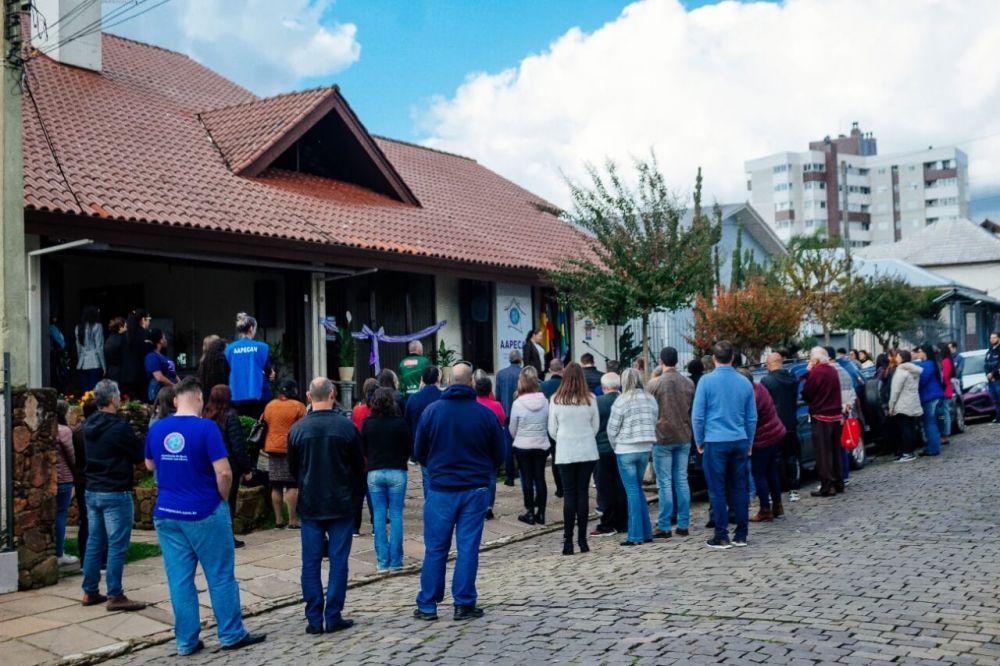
(87,29)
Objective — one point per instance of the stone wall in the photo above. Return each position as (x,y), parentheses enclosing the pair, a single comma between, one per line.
(35,486)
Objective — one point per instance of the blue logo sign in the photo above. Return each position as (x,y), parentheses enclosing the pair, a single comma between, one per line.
(174,442)
(515,316)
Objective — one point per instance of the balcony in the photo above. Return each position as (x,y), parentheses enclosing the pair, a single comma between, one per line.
(938,174)
(788,214)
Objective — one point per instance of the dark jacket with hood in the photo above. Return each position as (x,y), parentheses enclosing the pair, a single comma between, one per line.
(325,457)
(784,390)
(459,441)
(113,450)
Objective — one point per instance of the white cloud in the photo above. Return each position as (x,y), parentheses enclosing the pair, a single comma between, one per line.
(726,83)
(266,46)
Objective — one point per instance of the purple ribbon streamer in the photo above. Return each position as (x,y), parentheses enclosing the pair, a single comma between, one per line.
(375,337)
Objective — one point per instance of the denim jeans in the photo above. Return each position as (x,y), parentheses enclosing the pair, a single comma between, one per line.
(932,435)
(209,541)
(945,410)
(339,535)
(110,519)
(632,467)
(993,388)
(766,468)
(464,513)
(387,490)
(726,470)
(670,462)
(63,498)
(426,478)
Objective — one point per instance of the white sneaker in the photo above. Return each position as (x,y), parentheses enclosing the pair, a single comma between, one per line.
(793,496)
(67,560)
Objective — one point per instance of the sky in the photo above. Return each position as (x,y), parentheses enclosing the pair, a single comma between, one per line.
(536,90)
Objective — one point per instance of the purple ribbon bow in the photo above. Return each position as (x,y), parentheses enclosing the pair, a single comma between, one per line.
(378,336)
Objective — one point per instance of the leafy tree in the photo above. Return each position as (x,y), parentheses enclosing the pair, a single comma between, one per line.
(628,350)
(816,273)
(753,317)
(744,265)
(885,306)
(643,259)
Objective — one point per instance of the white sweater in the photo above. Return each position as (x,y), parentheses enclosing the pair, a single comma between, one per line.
(574,427)
(529,422)
(632,424)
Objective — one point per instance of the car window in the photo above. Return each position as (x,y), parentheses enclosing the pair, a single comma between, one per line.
(974,365)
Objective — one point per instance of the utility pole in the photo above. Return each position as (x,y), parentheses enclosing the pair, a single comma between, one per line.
(14,295)
(845,228)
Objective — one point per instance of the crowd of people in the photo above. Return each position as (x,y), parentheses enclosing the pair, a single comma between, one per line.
(324,460)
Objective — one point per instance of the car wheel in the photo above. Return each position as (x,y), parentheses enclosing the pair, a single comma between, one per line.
(958,423)
(858,456)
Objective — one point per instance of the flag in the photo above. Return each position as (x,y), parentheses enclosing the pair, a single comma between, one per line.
(544,325)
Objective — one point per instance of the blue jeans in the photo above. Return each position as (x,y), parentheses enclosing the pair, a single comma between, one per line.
(387,489)
(426,477)
(845,463)
(340,534)
(765,467)
(931,434)
(945,409)
(63,498)
(208,541)
(670,462)
(632,467)
(464,513)
(993,388)
(725,466)
(110,518)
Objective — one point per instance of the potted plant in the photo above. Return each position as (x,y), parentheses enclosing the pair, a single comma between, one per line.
(346,355)
(444,358)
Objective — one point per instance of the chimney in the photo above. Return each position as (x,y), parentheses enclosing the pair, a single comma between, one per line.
(70,33)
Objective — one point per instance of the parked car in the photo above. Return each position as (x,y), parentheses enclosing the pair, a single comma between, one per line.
(975,397)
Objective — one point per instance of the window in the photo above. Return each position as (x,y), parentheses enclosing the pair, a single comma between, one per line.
(814,185)
(813,167)
(881,171)
(863,172)
(912,167)
(783,205)
(781,168)
(782,187)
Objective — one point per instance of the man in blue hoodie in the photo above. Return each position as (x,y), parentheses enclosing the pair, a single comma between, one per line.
(460,442)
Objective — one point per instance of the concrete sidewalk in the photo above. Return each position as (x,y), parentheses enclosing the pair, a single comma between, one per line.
(49,625)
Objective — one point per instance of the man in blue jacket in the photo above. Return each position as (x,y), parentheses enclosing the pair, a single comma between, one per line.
(505,393)
(724,419)
(461,443)
(416,404)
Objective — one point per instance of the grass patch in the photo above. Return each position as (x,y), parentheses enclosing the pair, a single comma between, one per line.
(135,552)
(147,482)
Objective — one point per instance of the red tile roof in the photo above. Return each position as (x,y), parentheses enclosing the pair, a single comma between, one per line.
(133,144)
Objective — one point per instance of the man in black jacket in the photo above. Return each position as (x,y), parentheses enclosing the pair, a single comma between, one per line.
(784,390)
(325,457)
(113,451)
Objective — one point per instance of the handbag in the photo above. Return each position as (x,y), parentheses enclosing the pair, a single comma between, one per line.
(850,434)
(257,434)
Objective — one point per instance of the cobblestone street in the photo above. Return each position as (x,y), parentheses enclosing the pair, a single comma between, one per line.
(902,568)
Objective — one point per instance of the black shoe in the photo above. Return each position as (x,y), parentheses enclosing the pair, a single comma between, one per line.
(540,517)
(424,615)
(823,493)
(238,544)
(468,612)
(339,626)
(311,629)
(630,543)
(568,548)
(584,548)
(559,493)
(710,524)
(528,518)
(249,639)
(681,531)
(719,544)
(840,488)
(489,514)
(509,482)
(197,648)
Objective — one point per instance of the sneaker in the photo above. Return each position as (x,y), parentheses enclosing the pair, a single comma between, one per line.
(740,543)
(67,560)
(603,533)
(793,496)
(719,544)
(847,482)
(249,639)
(123,603)
(425,615)
(468,612)
(681,531)
(906,457)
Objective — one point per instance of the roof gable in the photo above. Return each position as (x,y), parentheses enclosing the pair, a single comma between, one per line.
(313,131)
(946,242)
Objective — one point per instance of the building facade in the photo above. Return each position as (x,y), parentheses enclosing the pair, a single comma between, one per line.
(888,197)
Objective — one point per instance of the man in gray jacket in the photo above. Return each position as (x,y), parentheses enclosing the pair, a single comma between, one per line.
(674,393)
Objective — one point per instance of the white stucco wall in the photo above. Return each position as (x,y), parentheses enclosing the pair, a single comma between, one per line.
(981,276)
(446,306)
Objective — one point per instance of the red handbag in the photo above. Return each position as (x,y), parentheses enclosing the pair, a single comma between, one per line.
(850,434)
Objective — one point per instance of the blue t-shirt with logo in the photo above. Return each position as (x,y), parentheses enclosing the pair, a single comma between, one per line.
(247,362)
(184,448)
(155,361)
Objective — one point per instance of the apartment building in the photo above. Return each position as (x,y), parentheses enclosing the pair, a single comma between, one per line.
(888,197)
